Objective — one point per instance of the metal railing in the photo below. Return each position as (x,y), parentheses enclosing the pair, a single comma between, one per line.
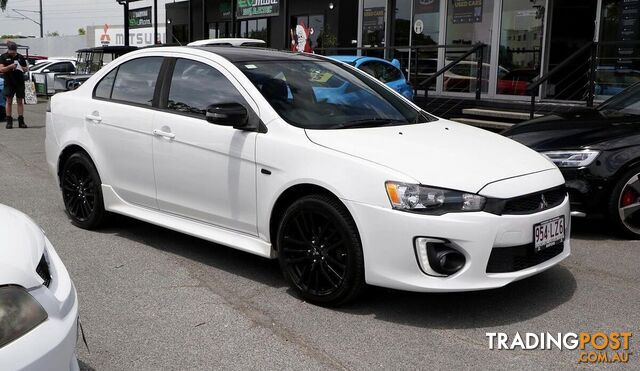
(414,61)
(592,49)
(478,50)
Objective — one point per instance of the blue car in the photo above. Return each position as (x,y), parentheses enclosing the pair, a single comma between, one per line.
(383,70)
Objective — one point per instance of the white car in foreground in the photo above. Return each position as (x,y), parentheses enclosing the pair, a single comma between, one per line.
(38,303)
(307,160)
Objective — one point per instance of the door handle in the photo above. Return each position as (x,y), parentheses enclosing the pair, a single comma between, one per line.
(160,133)
(94,117)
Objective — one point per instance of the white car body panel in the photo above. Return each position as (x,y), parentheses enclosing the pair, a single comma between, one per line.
(51,345)
(459,156)
(228,200)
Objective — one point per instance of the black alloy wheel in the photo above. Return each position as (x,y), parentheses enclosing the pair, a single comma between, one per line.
(81,192)
(320,252)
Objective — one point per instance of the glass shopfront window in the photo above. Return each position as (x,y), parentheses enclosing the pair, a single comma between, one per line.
(520,51)
(373,23)
(426,32)
(220,30)
(618,63)
(255,29)
(468,22)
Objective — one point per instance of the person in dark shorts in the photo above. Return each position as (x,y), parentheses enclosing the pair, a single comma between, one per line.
(13,66)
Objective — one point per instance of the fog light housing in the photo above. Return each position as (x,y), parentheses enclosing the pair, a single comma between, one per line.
(436,257)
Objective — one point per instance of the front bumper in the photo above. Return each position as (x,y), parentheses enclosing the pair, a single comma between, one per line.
(52,344)
(390,259)
(588,192)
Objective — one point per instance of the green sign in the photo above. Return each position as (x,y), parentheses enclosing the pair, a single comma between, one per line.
(257,8)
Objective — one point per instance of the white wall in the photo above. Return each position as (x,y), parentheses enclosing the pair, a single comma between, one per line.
(60,46)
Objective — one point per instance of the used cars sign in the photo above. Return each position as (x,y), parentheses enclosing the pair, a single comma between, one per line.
(254,8)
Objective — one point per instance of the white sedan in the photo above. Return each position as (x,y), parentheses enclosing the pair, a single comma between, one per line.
(38,303)
(307,160)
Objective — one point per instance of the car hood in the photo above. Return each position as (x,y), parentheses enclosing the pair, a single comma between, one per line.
(440,153)
(585,128)
(22,244)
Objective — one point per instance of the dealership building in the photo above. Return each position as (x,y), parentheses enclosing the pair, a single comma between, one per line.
(589,44)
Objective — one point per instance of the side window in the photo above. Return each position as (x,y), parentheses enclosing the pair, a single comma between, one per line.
(369,68)
(390,73)
(195,86)
(136,81)
(103,89)
(68,67)
(57,68)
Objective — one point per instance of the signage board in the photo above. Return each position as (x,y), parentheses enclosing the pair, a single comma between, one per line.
(467,11)
(140,18)
(257,8)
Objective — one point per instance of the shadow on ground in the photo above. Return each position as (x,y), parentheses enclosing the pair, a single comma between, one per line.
(516,302)
(593,229)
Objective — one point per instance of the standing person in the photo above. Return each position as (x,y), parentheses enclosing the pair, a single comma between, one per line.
(13,66)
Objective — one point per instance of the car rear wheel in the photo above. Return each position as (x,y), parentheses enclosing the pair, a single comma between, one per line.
(82,192)
(320,252)
(624,205)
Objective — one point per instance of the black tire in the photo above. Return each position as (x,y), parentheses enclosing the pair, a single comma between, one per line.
(320,252)
(82,192)
(626,195)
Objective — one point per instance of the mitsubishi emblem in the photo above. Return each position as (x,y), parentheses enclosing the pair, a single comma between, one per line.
(543,203)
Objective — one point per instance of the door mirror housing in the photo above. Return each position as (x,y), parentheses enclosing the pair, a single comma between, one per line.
(228,114)
(46,71)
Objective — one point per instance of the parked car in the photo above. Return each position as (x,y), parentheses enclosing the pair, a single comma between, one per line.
(88,62)
(389,73)
(50,71)
(515,82)
(598,152)
(229,42)
(38,303)
(234,145)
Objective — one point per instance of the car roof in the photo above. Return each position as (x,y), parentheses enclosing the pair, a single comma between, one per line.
(227,41)
(246,54)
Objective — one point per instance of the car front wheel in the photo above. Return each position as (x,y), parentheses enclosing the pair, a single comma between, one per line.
(81,192)
(320,252)
(624,205)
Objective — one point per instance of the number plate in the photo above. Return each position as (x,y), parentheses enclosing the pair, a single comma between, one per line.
(548,233)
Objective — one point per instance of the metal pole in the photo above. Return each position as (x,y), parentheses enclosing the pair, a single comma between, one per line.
(480,58)
(155,21)
(41,25)
(126,23)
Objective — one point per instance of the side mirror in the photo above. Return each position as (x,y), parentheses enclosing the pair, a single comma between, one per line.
(396,63)
(46,71)
(228,114)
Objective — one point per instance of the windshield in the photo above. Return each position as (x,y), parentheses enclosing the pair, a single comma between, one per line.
(623,104)
(322,95)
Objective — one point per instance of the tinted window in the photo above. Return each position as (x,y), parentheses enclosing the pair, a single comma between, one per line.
(136,80)
(381,71)
(389,73)
(57,67)
(103,89)
(195,86)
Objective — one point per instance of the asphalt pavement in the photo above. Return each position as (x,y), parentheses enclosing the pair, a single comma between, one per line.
(154,299)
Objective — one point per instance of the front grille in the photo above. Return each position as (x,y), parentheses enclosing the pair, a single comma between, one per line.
(43,271)
(517,258)
(535,202)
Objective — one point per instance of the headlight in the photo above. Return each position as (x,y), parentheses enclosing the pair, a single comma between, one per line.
(19,313)
(576,158)
(429,200)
